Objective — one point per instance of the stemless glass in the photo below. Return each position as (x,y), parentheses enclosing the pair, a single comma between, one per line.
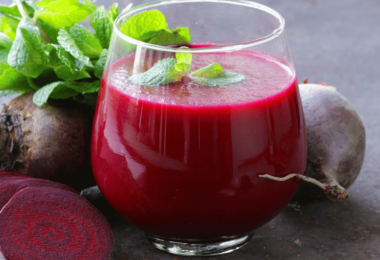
(181,161)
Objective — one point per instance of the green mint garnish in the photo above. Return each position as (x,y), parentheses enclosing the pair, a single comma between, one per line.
(9,26)
(162,72)
(28,53)
(214,75)
(183,61)
(180,35)
(5,46)
(151,27)
(99,65)
(70,46)
(57,14)
(86,41)
(102,22)
(4,93)
(209,71)
(11,79)
(145,25)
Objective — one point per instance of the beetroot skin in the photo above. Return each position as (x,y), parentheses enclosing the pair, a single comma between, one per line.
(49,223)
(9,189)
(50,142)
(335,139)
(335,144)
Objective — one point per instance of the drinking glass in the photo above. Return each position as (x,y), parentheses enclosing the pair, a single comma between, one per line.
(182,161)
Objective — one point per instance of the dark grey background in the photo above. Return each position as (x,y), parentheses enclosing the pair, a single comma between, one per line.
(338,42)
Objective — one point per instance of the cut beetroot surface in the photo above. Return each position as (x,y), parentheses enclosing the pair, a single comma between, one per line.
(11,179)
(49,223)
(8,190)
(4,175)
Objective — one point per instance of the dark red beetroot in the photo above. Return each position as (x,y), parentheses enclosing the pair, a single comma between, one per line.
(335,143)
(50,142)
(4,181)
(49,223)
(8,190)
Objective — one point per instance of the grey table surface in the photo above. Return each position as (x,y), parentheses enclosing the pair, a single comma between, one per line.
(337,42)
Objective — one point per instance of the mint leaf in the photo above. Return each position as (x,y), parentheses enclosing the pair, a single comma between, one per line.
(100,64)
(28,54)
(180,35)
(64,72)
(101,21)
(84,87)
(4,93)
(60,13)
(183,61)
(224,78)
(88,99)
(209,71)
(5,46)
(9,26)
(86,41)
(70,46)
(145,25)
(11,79)
(57,90)
(162,72)
(10,11)
(114,12)
(214,75)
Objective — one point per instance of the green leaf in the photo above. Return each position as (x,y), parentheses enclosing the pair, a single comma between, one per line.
(11,79)
(9,26)
(145,25)
(10,11)
(114,12)
(209,71)
(59,14)
(100,20)
(86,41)
(5,46)
(224,78)
(28,53)
(100,64)
(88,99)
(70,46)
(4,93)
(162,72)
(57,90)
(84,87)
(64,72)
(180,35)
(183,61)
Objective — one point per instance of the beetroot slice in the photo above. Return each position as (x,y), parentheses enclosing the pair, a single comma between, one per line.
(11,179)
(9,174)
(49,223)
(8,190)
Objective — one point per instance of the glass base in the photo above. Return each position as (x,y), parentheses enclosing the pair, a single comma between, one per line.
(200,247)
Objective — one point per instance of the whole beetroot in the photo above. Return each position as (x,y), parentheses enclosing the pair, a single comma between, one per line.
(335,143)
(335,139)
(50,142)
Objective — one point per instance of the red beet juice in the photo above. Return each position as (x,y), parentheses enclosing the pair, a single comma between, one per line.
(182,160)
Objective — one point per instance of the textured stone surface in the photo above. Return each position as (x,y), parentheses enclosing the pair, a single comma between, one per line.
(337,42)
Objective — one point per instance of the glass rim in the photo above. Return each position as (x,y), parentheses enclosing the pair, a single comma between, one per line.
(212,49)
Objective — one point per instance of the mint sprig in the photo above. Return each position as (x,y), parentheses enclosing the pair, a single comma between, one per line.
(151,27)
(214,75)
(163,72)
(66,64)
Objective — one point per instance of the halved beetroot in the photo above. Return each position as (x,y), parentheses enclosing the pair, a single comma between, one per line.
(9,174)
(49,223)
(8,190)
(11,179)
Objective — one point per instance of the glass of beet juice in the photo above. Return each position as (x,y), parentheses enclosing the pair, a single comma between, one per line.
(181,159)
